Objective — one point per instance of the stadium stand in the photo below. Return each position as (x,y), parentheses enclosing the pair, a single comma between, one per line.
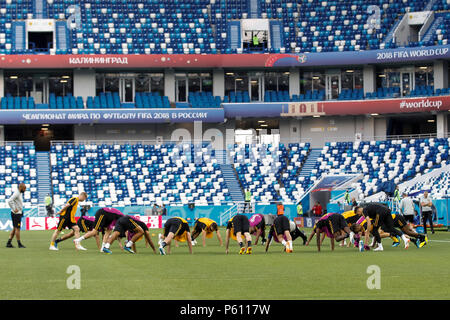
(106,100)
(378,161)
(204,100)
(348,94)
(259,168)
(438,186)
(142,174)
(201,26)
(238,97)
(139,174)
(18,164)
(272,172)
(297,155)
(17,103)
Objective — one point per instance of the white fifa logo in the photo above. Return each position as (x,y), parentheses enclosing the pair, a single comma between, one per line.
(374,280)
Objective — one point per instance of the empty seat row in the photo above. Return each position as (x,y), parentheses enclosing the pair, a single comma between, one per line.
(18,165)
(138,174)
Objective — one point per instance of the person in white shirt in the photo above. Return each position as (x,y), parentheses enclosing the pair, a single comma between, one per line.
(407,208)
(426,205)
(16,205)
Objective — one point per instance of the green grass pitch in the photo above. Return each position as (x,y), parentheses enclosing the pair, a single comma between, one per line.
(37,273)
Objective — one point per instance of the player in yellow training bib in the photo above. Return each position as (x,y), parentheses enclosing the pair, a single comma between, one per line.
(206,227)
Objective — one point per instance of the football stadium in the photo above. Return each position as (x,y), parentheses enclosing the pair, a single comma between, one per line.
(224,150)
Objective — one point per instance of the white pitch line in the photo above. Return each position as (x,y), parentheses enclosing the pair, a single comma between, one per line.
(439,240)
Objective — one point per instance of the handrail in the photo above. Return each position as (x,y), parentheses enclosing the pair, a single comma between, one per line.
(435,172)
(14,143)
(391,34)
(238,206)
(134,204)
(128,141)
(338,198)
(324,139)
(254,141)
(224,216)
(176,204)
(429,20)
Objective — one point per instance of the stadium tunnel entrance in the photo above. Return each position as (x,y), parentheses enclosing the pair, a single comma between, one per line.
(411,124)
(41,135)
(40,41)
(250,131)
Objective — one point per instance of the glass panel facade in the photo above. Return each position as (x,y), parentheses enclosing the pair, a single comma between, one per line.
(424,76)
(351,79)
(276,81)
(38,86)
(236,81)
(312,80)
(144,82)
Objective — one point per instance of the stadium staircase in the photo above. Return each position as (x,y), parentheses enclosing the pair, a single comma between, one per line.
(62,35)
(221,156)
(232,183)
(18,35)
(432,29)
(43,179)
(254,9)
(275,34)
(390,36)
(39,9)
(237,208)
(234,34)
(429,6)
(310,162)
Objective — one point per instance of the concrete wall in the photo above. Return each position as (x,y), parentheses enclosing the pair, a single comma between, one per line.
(294,81)
(317,131)
(290,130)
(150,132)
(442,124)
(365,126)
(2,84)
(441,74)
(219,83)
(169,84)
(404,33)
(323,129)
(83,83)
(369,79)
(380,126)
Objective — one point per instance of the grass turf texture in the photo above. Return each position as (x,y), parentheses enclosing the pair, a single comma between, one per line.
(37,273)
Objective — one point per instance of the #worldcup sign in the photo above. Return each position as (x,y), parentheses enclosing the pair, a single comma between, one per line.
(358,107)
